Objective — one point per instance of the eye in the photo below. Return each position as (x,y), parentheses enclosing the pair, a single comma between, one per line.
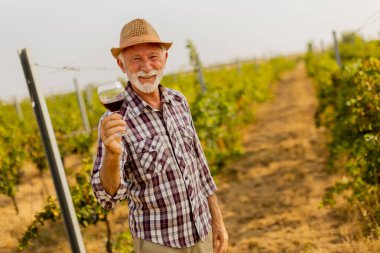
(135,59)
(154,57)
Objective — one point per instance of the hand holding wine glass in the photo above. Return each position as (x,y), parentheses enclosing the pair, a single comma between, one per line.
(113,126)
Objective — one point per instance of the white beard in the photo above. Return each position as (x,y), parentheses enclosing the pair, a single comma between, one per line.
(147,87)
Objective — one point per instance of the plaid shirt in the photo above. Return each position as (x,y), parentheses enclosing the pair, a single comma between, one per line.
(163,170)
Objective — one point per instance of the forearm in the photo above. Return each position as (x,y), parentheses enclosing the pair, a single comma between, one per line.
(110,173)
(219,232)
(215,212)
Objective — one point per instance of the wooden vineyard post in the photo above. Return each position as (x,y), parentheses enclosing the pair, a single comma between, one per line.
(322,46)
(196,63)
(89,90)
(18,109)
(336,48)
(82,107)
(53,156)
(238,66)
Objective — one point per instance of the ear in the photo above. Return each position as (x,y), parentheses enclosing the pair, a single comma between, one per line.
(166,56)
(121,64)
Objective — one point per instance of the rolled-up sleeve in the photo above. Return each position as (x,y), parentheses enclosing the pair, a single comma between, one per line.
(106,200)
(208,183)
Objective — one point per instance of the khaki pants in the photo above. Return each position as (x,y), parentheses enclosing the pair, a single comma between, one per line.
(144,246)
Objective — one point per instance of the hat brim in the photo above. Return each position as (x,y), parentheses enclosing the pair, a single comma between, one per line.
(115,51)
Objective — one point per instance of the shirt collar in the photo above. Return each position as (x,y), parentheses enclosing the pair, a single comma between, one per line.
(166,96)
(134,104)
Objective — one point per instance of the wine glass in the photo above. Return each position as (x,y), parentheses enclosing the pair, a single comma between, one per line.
(112,95)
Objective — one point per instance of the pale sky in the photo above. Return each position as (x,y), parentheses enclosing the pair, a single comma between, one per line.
(80,33)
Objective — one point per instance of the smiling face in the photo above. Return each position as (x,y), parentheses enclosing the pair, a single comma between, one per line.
(144,65)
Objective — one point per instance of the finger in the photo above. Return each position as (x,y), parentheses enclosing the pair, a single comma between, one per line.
(225,242)
(225,246)
(111,131)
(105,125)
(222,246)
(214,241)
(221,243)
(112,144)
(118,130)
(113,116)
(105,134)
(110,139)
(114,122)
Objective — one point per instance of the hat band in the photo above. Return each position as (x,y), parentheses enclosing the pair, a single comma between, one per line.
(140,39)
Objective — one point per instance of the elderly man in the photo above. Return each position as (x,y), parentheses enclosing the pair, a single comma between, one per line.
(157,163)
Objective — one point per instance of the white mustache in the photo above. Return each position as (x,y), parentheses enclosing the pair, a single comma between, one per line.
(153,72)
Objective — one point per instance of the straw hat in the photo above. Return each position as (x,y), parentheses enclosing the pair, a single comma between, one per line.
(136,32)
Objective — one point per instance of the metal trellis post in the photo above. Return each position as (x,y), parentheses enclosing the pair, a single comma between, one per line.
(53,156)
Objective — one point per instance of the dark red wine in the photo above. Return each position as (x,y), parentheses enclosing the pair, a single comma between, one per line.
(114,106)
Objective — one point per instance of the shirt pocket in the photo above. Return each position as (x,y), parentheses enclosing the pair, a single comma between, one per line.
(189,139)
(152,154)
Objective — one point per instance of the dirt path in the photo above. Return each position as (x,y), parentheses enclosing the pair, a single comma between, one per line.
(270,197)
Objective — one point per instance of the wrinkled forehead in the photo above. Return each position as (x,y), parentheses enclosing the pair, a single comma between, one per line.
(142,48)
